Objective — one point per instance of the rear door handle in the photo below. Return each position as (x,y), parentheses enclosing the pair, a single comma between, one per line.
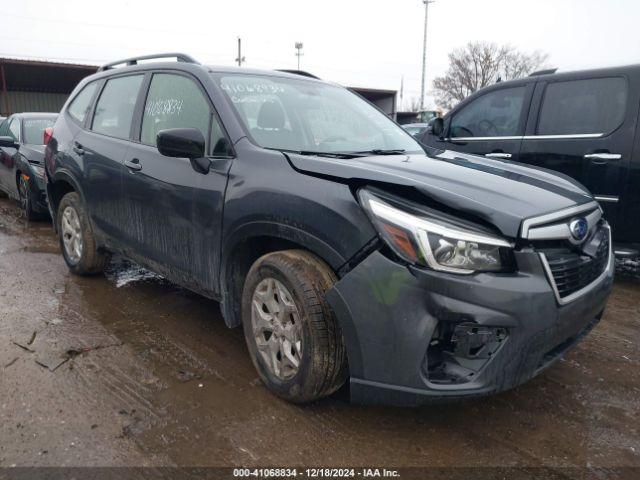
(603,156)
(78,148)
(133,164)
(498,155)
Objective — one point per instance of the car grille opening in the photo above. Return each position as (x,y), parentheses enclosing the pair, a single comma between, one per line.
(572,270)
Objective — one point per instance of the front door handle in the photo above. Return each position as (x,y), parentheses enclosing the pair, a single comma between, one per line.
(78,148)
(133,164)
(498,155)
(603,156)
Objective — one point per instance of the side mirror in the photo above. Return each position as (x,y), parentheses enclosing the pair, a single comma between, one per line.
(184,143)
(437,127)
(8,142)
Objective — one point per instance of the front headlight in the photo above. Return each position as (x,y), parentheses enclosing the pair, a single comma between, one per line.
(428,241)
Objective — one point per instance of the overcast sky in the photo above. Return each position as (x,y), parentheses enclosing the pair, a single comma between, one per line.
(368,43)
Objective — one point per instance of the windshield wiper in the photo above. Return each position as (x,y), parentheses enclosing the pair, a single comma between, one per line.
(320,154)
(381,151)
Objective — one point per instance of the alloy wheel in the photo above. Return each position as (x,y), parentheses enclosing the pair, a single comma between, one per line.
(72,234)
(277,328)
(23,193)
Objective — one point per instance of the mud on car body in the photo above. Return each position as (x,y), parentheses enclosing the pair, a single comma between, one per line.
(344,248)
(22,138)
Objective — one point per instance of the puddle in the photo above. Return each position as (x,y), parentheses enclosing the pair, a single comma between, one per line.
(123,272)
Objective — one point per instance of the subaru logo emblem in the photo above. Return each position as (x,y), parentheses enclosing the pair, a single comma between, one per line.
(579,228)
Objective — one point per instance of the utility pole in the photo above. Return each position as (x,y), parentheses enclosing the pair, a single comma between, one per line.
(240,58)
(299,53)
(424,50)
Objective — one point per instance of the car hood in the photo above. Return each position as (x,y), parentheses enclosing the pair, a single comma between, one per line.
(500,192)
(33,153)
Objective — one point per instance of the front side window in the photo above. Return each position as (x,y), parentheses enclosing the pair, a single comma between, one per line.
(34,129)
(114,110)
(495,114)
(81,104)
(173,101)
(14,129)
(304,115)
(577,107)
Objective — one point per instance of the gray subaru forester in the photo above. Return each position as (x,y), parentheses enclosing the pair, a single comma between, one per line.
(343,247)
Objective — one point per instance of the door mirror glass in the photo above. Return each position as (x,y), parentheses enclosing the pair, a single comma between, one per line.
(437,127)
(181,142)
(8,142)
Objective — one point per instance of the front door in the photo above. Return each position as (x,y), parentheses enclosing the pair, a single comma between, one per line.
(584,128)
(174,213)
(490,125)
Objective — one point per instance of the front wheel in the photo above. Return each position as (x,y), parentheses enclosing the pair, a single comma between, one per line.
(26,200)
(78,244)
(293,337)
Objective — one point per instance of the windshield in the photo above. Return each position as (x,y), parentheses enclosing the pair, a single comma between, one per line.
(34,129)
(302,115)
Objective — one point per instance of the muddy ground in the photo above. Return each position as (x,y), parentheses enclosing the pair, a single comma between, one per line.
(127,369)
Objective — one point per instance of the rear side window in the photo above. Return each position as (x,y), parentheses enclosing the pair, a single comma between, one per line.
(173,101)
(114,110)
(583,106)
(79,107)
(495,114)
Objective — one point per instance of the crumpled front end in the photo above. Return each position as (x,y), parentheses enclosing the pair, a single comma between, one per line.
(415,334)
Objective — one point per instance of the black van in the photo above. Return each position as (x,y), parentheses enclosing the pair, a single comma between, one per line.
(582,124)
(343,247)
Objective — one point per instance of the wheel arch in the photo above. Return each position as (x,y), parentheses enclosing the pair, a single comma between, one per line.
(61,184)
(250,242)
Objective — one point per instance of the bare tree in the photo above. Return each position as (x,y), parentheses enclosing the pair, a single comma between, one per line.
(479,64)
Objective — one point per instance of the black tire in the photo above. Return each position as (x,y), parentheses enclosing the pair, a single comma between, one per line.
(26,202)
(91,261)
(323,366)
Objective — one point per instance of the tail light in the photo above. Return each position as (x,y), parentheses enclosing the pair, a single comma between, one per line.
(48,133)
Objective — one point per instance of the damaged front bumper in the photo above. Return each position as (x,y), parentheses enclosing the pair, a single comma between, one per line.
(413,335)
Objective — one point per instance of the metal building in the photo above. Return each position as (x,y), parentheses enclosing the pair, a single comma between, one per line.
(37,86)
(385,100)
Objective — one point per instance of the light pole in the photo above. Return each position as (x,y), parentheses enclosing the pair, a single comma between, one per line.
(240,58)
(299,53)
(424,50)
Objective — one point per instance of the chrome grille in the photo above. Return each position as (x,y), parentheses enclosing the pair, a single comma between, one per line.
(572,271)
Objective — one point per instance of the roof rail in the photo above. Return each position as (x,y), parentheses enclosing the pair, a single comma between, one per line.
(543,72)
(298,72)
(180,57)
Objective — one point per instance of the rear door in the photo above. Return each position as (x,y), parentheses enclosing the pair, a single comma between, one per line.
(174,214)
(101,150)
(491,124)
(584,128)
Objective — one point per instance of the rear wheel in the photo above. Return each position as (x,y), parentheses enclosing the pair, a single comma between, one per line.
(293,336)
(78,244)
(26,200)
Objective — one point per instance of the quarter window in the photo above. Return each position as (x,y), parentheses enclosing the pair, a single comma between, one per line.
(174,101)
(79,107)
(114,110)
(583,106)
(495,114)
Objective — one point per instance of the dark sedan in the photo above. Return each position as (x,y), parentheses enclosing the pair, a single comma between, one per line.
(22,160)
